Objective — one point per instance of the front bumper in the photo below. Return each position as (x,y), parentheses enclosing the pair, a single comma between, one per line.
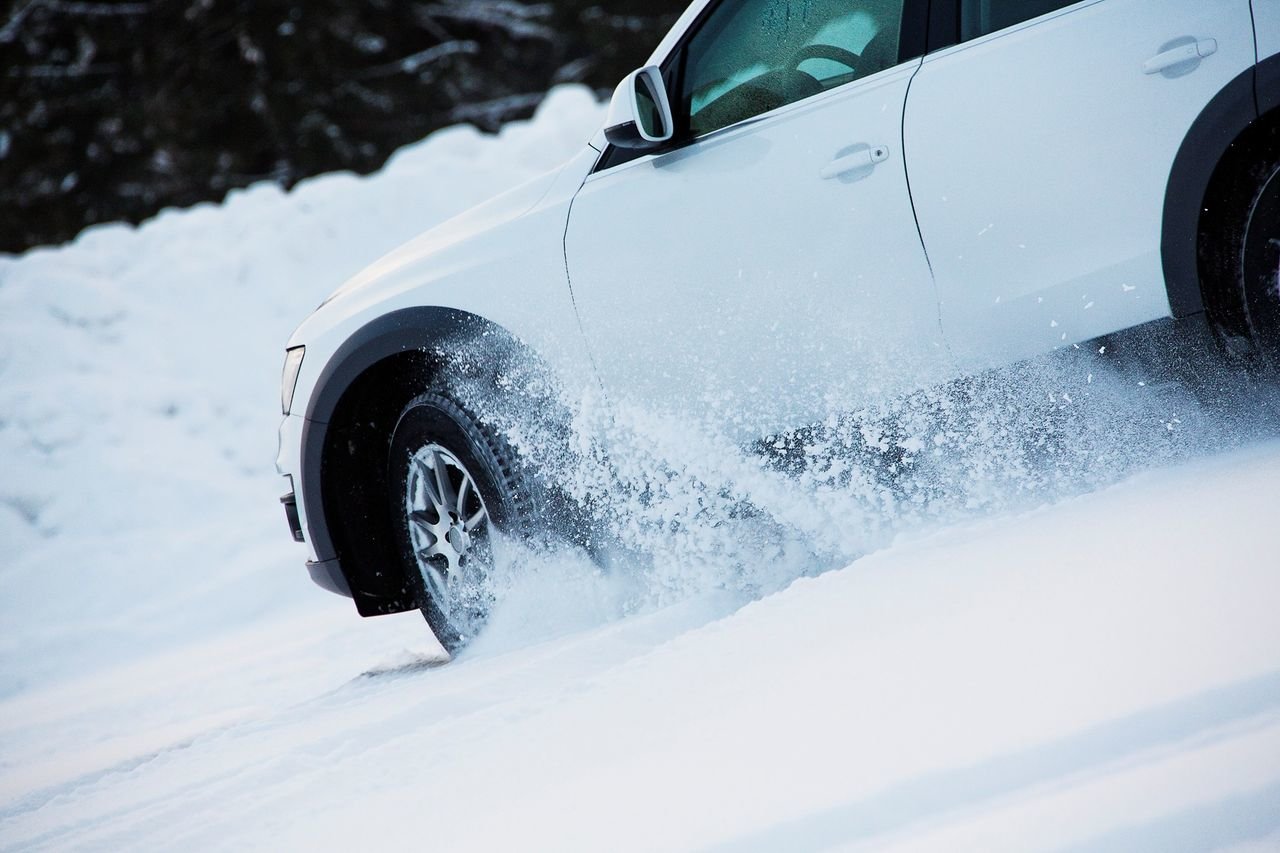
(325,573)
(290,501)
(289,464)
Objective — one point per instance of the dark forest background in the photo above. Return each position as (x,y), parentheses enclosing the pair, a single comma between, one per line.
(113,110)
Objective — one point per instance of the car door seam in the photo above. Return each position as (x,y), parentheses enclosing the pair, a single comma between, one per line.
(568,278)
(906,172)
(1257,57)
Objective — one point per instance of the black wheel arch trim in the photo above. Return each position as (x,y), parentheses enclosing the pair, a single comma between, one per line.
(328,576)
(401,331)
(1252,93)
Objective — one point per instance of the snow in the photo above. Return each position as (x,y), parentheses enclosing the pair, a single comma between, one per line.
(1095,665)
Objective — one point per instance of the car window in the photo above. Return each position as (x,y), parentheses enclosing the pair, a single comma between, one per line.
(752,56)
(979,17)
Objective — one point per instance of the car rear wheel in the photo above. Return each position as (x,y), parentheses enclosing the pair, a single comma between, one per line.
(1259,263)
(457,495)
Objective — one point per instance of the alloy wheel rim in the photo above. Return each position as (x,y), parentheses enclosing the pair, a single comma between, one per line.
(449,533)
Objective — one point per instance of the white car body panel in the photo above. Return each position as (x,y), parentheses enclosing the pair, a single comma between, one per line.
(503,261)
(1266,22)
(1058,110)
(289,463)
(711,277)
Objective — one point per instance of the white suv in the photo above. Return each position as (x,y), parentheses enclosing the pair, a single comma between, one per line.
(796,204)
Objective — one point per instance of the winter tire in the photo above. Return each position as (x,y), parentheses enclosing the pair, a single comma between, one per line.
(456,494)
(1259,262)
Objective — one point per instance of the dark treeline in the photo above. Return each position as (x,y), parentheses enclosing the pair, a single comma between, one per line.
(114,110)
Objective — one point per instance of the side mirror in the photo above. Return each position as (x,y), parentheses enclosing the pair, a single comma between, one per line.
(640,114)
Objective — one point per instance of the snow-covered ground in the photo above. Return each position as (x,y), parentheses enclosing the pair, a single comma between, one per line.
(1094,666)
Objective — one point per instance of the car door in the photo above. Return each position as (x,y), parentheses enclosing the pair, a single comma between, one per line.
(768,268)
(1039,149)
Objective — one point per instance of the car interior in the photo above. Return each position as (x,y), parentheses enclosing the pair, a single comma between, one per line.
(980,17)
(754,56)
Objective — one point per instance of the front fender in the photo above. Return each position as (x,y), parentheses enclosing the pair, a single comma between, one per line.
(506,279)
(503,261)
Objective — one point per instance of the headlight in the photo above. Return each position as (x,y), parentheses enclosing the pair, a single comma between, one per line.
(292,364)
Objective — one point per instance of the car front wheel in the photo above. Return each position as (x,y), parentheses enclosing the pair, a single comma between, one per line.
(457,496)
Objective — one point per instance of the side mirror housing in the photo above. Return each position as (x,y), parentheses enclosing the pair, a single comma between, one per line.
(640,114)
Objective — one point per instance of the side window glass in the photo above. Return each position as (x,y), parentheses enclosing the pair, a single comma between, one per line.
(979,17)
(752,56)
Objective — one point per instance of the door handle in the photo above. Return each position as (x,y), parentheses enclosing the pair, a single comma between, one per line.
(1191,51)
(861,159)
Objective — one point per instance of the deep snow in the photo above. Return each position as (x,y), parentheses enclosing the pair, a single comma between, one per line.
(1087,658)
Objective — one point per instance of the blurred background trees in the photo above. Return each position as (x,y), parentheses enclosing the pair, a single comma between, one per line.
(114,110)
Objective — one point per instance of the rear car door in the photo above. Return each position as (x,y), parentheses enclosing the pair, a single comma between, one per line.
(1039,149)
(768,267)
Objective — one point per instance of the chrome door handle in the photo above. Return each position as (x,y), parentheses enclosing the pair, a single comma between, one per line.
(1192,51)
(863,159)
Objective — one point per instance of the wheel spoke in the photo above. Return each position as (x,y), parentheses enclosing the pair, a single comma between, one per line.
(442,550)
(424,521)
(474,520)
(426,481)
(463,494)
(433,577)
(414,499)
(448,500)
